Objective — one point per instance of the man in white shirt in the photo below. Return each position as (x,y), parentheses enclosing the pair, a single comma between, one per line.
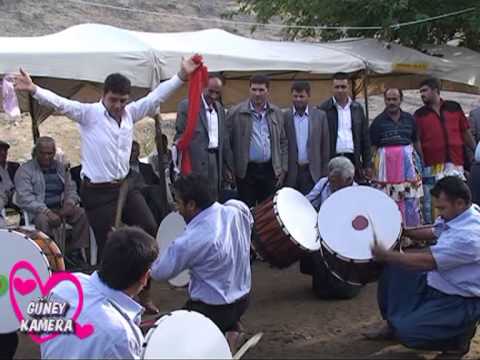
(215,247)
(207,145)
(348,127)
(108,303)
(325,285)
(106,131)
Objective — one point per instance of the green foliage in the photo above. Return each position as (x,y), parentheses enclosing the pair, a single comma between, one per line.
(361,13)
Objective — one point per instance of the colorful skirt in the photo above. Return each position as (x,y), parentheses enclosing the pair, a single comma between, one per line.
(397,173)
(431,174)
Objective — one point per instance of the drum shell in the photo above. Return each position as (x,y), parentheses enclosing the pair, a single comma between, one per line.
(348,270)
(270,239)
(48,246)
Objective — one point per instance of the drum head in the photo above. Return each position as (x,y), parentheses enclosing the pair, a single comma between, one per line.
(171,227)
(185,335)
(298,217)
(15,247)
(344,221)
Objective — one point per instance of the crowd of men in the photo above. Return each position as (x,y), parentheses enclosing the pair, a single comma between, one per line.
(256,148)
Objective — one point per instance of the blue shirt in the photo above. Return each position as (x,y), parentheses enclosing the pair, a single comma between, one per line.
(385,131)
(54,188)
(320,192)
(215,247)
(114,315)
(260,150)
(301,134)
(457,255)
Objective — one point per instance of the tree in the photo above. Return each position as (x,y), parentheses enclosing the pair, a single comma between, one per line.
(382,13)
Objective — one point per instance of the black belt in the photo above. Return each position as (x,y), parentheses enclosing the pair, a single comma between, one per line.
(213,151)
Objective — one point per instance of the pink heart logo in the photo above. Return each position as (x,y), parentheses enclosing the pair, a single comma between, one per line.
(81,331)
(24,287)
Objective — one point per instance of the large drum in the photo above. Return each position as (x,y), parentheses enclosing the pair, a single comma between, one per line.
(185,335)
(16,246)
(171,227)
(285,228)
(347,221)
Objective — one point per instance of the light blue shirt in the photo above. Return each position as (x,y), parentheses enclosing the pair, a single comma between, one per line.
(477,153)
(260,150)
(457,255)
(320,192)
(114,315)
(301,134)
(215,247)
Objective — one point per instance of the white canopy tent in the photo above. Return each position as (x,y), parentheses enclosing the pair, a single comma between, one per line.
(74,62)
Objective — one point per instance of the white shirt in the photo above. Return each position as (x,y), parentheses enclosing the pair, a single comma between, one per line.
(212,122)
(215,247)
(106,146)
(344,137)
(115,317)
(301,133)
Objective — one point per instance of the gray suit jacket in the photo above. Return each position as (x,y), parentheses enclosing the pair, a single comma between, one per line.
(318,145)
(474,120)
(239,122)
(200,140)
(30,187)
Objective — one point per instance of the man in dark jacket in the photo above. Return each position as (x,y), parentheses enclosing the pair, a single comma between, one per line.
(348,126)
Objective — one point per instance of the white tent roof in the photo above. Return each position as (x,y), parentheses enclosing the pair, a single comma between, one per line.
(224,51)
(468,62)
(84,52)
(458,64)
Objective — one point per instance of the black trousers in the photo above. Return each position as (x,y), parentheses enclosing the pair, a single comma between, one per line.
(100,203)
(8,345)
(304,182)
(324,284)
(258,183)
(225,316)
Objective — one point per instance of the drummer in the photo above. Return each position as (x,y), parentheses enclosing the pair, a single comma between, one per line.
(215,247)
(341,173)
(109,304)
(430,298)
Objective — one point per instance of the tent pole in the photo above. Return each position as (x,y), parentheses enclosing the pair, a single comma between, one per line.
(35,129)
(161,168)
(365,93)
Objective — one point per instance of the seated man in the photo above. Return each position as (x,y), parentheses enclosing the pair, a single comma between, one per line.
(216,248)
(341,173)
(108,301)
(7,172)
(48,194)
(430,298)
(144,177)
(3,203)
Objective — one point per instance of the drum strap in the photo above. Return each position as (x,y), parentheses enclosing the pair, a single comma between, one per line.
(127,319)
(322,190)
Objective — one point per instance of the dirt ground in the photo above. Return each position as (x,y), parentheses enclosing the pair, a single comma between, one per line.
(295,323)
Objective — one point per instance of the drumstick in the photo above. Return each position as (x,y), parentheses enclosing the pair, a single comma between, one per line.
(253,341)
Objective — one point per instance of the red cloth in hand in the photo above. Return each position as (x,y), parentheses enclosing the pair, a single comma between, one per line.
(197,82)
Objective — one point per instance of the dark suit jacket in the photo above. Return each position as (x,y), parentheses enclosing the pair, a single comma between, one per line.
(318,145)
(148,174)
(360,133)
(200,140)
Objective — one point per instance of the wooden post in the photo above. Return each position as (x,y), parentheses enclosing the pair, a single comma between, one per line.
(161,168)
(365,93)
(35,129)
